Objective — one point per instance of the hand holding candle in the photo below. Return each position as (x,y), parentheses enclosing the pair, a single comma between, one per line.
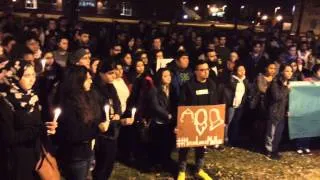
(43,64)
(133,112)
(57,113)
(106,110)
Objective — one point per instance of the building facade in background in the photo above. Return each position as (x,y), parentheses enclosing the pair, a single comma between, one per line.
(307,16)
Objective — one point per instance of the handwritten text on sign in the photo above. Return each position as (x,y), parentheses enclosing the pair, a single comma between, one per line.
(200,125)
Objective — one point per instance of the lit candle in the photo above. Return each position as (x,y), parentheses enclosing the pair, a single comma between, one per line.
(133,112)
(57,113)
(43,63)
(106,110)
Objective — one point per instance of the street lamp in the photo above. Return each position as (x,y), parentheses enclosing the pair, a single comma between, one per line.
(242,7)
(196,8)
(259,14)
(224,7)
(276,9)
(293,9)
(264,17)
(279,18)
(185,16)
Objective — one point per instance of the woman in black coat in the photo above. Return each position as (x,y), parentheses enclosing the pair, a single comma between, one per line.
(133,137)
(22,130)
(106,145)
(80,122)
(163,114)
(278,97)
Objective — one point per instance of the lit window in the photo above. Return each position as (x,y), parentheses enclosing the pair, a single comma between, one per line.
(126,9)
(31,4)
(87,3)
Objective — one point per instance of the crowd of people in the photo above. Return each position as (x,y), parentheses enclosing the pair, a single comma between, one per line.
(116,105)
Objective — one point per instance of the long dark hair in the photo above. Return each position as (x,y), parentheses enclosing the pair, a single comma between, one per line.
(158,77)
(74,94)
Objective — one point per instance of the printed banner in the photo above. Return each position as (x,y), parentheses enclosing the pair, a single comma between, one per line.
(200,126)
(304,110)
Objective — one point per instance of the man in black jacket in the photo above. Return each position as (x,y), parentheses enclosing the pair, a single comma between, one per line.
(199,91)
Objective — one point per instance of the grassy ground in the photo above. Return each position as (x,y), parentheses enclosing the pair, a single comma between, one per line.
(235,163)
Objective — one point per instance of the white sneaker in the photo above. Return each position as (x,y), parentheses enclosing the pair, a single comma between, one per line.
(300,151)
(307,151)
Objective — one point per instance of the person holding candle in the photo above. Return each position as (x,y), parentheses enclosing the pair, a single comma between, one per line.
(137,140)
(47,81)
(106,143)
(163,106)
(121,86)
(81,121)
(22,130)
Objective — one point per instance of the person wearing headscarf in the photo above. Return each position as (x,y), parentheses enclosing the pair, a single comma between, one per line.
(22,130)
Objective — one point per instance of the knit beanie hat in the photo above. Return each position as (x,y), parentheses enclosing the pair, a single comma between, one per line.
(77,55)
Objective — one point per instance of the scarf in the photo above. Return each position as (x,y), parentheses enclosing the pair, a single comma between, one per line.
(239,93)
(18,98)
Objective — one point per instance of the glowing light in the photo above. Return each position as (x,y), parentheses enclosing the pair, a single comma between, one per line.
(276,10)
(264,17)
(185,16)
(213,9)
(293,9)
(224,7)
(57,113)
(279,18)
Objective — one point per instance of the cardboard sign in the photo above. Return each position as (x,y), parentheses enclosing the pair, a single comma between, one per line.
(162,63)
(200,126)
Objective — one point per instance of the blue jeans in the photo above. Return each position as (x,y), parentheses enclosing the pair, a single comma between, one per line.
(303,143)
(233,126)
(77,170)
(199,158)
(274,135)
